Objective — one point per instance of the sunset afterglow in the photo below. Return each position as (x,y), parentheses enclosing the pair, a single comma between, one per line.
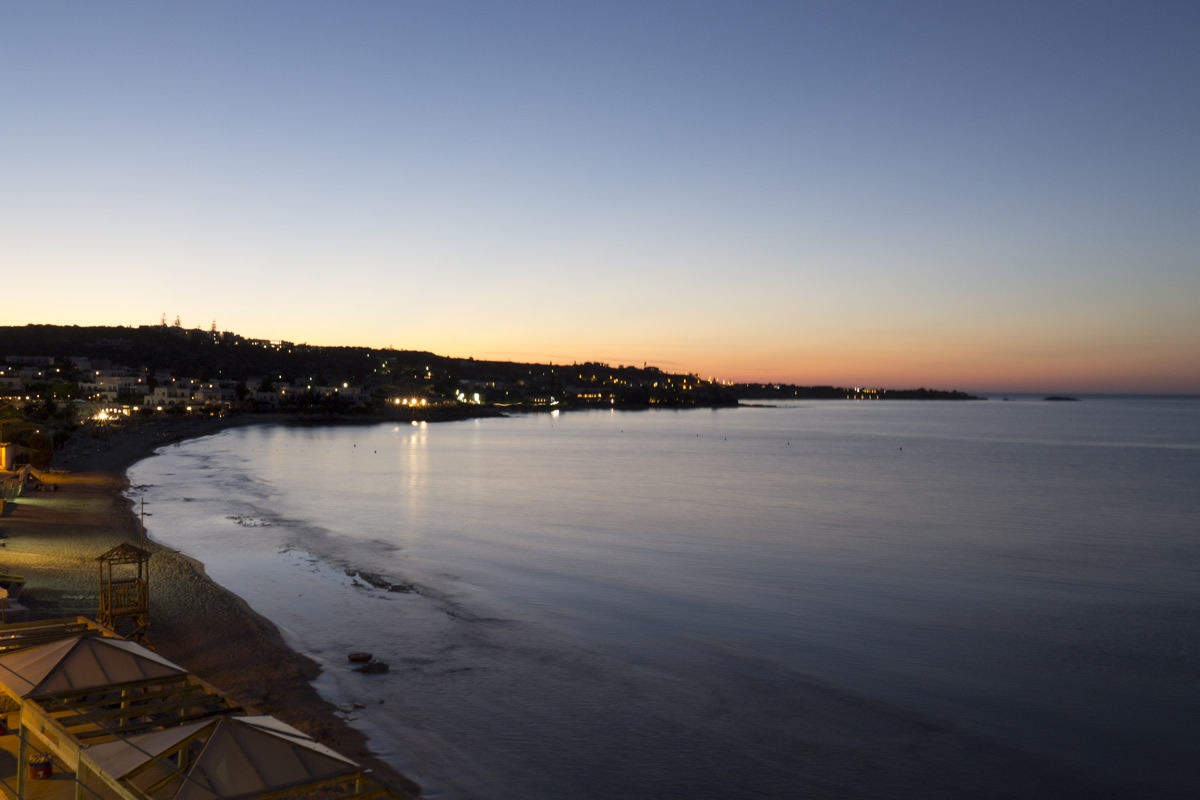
(936,194)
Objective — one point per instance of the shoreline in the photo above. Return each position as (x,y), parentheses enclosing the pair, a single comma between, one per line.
(54,538)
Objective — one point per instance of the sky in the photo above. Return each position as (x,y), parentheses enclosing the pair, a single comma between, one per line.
(970,195)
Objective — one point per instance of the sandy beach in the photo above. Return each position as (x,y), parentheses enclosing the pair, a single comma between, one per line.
(54,537)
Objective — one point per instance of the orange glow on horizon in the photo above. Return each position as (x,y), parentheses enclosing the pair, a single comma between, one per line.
(1049,357)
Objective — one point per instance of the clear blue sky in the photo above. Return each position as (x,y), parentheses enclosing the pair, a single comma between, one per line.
(971,195)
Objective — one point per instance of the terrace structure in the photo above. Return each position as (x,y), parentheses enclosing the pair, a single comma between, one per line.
(98,716)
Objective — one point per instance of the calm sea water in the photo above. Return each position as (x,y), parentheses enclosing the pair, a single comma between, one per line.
(826,599)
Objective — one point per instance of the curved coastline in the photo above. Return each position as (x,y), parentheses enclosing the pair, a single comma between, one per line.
(53,540)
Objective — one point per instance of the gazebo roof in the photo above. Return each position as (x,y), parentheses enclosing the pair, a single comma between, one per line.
(239,757)
(124,553)
(80,663)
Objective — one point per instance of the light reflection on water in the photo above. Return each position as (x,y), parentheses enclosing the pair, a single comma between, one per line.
(699,596)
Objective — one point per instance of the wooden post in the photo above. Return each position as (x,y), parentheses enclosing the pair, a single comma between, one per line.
(81,779)
(22,757)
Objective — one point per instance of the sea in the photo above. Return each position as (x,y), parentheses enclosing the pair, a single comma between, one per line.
(924,599)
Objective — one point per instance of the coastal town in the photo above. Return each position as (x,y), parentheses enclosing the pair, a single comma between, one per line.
(60,382)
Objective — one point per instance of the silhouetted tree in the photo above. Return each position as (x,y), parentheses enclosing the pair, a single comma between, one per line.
(41,450)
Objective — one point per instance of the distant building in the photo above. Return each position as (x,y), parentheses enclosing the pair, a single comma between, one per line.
(11,454)
(31,374)
(33,361)
(106,385)
(213,394)
(169,395)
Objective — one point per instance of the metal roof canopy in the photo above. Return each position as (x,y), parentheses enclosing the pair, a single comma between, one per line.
(76,691)
(80,662)
(226,757)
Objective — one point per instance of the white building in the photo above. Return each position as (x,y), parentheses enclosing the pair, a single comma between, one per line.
(105,385)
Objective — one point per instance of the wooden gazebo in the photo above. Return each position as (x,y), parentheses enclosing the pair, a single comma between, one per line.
(125,591)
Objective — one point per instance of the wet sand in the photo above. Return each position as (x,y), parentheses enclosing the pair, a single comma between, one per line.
(54,537)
